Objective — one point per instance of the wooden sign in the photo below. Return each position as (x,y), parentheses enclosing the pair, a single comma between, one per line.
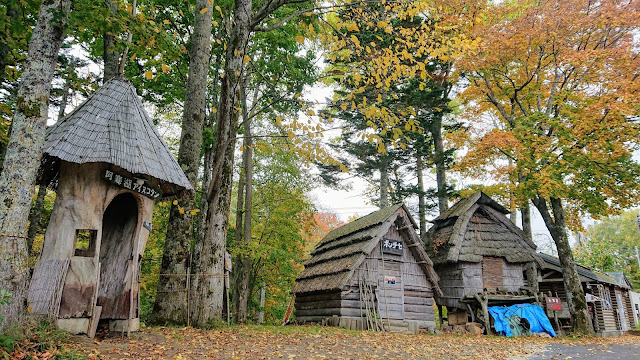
(227,261)
(391,247)
(553,303)
(132,184)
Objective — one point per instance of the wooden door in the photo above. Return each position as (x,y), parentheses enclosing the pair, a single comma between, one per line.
(390,291)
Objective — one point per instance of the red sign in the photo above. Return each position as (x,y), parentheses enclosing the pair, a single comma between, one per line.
(553,303)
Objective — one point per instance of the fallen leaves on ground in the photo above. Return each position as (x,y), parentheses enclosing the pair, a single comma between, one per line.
(314,342)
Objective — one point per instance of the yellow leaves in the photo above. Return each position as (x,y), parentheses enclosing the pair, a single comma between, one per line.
(382,24)
(214,110)
(148,75)
(311,29)
(166,22)
(220,11)
(355,40)
(279,120)
(165,68)
(300,39)
(246,59)
(204,10)
(352,26)
(310,112)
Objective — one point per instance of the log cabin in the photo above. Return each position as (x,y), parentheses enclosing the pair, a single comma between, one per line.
(482,259)
(372,273)
(607,296)
(108,165)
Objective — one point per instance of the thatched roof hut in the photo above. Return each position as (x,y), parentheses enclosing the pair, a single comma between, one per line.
(374,258)
(474,246)
(112,127)
(108,165)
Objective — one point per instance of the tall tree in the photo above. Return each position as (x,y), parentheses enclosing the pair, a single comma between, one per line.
(25,150)
(170,306)
(563,81)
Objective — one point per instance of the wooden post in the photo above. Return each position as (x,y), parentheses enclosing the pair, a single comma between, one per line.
(226,285)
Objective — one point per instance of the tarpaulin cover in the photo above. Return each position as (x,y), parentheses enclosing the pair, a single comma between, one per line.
(507,319)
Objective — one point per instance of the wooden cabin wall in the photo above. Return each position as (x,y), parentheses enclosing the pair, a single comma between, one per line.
(629,309)
(459,279)
(316,307)
(513,276)
(409,299)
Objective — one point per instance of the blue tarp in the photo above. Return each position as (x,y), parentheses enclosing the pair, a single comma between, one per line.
(507,319)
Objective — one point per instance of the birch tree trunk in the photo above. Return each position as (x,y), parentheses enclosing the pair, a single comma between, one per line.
(247,164)
(208,286)
(24,152)
(170,306)
(580,321)
(110,56)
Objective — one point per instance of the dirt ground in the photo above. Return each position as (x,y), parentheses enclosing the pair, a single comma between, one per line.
(314,342)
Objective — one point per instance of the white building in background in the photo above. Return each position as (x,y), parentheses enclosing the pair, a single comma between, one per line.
(635,304)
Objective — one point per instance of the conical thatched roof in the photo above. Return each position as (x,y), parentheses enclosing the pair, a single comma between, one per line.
(112,126)
(342,250)
(476,227)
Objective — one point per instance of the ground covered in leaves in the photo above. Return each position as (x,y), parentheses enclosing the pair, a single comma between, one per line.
(295,342)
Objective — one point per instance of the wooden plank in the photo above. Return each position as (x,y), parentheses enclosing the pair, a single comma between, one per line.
(417,308)
(318,297)
(45,288)
(418,301)
(93,324)
(326,312)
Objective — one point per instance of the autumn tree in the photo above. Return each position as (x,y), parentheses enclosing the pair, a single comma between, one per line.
(562,81)
(24,151)
(609,245)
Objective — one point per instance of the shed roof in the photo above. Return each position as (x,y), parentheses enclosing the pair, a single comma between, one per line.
(586,273)
(343,249)
(476,227)
(112,126)
(621,278)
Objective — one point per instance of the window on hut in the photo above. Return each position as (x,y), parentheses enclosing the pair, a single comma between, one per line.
(85,242)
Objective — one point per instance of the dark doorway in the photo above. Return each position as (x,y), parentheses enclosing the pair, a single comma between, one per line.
(119,225)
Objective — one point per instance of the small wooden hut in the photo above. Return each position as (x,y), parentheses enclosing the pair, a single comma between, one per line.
(481,256)
(372,273)
(607,296)
(108,165)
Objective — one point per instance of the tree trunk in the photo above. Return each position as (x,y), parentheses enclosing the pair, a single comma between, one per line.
(247,164)
(208,287)
(169,306)
(440,161)
(110,55)
(24,152)
(13,13)
(525,212)
(34,217)
(237,261)
(384,185)
(580,321)
(422,208)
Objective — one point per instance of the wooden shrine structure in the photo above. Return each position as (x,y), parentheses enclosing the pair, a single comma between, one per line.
(482,259)
(107,164)
(372,273)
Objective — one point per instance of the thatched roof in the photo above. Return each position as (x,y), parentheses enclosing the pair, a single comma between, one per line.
(343,249)
(586,274)
(112,126)
(476,227)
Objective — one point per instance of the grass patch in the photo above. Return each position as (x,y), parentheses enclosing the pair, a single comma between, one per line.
(35,339)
